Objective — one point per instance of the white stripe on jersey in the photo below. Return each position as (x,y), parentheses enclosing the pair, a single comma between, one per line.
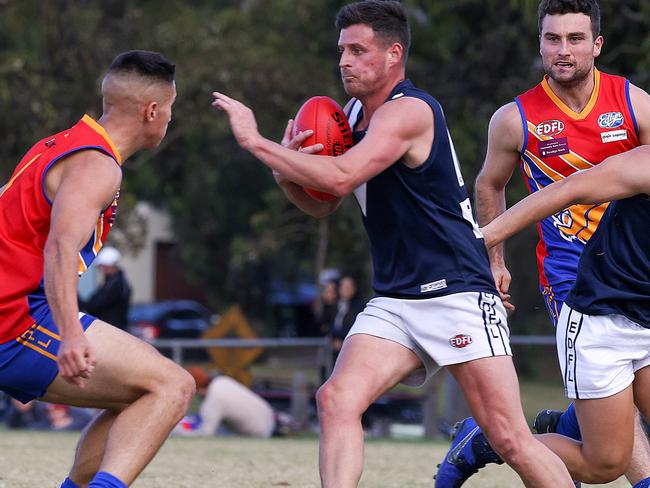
(360,194)
(459,175)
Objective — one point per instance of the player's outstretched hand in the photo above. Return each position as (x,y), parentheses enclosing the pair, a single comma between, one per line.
(242,119)
(76,359)
(295,142)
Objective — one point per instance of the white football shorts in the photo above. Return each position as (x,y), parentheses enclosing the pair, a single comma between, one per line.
(599,354)
(444,330)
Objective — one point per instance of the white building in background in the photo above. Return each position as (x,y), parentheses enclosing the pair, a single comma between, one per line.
(141,267)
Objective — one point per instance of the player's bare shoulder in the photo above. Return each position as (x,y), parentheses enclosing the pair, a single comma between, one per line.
(419,111)
(506,131)
(640,101)
(89,169)
(410,121)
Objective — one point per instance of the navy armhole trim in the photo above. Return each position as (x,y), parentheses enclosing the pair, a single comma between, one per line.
(76,149)
(630,108)
(524,122)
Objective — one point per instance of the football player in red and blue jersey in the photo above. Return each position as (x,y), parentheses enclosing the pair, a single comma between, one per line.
(55,213)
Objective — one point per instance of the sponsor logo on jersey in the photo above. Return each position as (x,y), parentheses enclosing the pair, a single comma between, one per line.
(613,136)
(610,120)
(549,128)
(553,147)
(461,340)
(433,286)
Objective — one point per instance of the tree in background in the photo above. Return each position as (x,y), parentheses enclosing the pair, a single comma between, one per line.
(236,232)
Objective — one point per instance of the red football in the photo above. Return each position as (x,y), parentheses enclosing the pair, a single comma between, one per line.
(331,129)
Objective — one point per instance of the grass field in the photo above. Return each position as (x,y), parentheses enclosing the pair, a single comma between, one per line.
(41,460)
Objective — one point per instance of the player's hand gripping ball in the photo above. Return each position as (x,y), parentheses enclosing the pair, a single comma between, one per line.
(331,129)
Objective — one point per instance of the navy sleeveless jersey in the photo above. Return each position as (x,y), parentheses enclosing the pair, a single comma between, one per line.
(423,237)
(613,273)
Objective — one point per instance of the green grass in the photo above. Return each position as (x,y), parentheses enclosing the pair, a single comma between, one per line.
(41,460)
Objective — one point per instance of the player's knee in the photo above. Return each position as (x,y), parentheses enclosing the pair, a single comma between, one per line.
(335,400)
(178,390)
(509,444)
(606,473)
(605,469)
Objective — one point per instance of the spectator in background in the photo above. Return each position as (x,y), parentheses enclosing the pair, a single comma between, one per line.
(40,415)
(66,418)
(31,415)
(110,302)
(226,401)
(348,306)
(327,307)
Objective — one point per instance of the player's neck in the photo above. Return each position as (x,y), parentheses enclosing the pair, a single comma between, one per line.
(576,95)
(121,135)
(377,98)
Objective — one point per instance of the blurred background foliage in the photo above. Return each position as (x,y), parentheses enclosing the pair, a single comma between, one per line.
(236,231)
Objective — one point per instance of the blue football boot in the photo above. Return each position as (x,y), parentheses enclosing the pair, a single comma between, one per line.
(469,452)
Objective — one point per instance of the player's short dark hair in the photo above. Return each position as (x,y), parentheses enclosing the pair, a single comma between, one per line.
(148,64)
(387,18)
(559,7)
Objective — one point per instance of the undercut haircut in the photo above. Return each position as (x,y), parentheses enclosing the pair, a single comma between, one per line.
(387,18)
(148,64)
(560,7)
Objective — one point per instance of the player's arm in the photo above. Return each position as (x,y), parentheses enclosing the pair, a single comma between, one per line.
(641,105)
(620,176)
(505,137)
(80,186)
(394,129)
(294,192)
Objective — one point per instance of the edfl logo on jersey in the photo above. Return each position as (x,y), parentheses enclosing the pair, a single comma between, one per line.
(549,128)
(610,120)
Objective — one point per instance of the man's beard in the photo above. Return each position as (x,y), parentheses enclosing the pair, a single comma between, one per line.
(578,77)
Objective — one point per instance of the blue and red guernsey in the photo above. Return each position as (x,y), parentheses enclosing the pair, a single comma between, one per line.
(559,142)
(25,223)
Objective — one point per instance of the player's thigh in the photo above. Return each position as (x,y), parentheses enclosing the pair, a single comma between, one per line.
(126,369)
(368,366)
(491,389)
(642,391)
(607,427)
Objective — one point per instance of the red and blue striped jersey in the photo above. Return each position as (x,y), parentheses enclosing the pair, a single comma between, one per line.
(559,142)
(25,222)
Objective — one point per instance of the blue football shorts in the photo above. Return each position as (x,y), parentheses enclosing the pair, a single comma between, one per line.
(28,363)
(554,301)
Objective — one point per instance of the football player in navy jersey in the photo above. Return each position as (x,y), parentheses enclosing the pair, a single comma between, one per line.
(603,333)
(436,303)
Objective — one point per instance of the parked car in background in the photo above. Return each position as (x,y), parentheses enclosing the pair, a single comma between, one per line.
(169,319)
(172,319)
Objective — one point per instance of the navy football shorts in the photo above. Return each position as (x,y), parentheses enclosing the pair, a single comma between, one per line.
(28,363)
